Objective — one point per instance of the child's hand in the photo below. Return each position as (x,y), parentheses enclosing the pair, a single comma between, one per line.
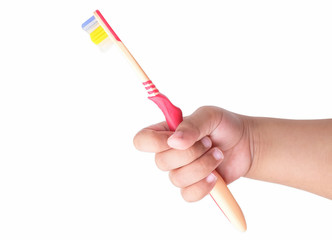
(211,138)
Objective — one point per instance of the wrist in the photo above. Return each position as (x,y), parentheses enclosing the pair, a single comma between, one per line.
(255,144)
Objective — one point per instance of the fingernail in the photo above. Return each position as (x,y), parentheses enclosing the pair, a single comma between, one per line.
(217,154)
(211,178)
(206,141)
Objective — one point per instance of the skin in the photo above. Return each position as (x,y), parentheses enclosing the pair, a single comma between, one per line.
(296,153)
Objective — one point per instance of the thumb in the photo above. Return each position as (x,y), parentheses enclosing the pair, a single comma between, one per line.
(194,127)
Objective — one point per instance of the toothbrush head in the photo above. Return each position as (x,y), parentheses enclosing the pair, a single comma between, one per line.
(97,33)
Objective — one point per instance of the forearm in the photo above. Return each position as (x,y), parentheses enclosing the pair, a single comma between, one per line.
(296,153)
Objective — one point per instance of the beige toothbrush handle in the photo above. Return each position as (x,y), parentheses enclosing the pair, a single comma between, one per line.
(227,203)
(133,62)
(220,193)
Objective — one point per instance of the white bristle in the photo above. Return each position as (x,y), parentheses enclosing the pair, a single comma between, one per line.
(105,45)
(91,26)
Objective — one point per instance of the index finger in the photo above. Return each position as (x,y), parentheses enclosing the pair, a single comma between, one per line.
(153,138)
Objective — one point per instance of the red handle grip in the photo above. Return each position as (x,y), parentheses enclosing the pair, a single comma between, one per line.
(172,113)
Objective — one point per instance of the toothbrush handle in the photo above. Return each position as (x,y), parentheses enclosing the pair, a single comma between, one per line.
(227,203)
(220,193)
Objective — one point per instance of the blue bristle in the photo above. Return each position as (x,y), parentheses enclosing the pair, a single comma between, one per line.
(88,23)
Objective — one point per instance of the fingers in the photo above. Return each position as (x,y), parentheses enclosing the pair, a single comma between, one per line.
(187,152)
(197,170)
(191,169)
(153,138)
(173,158)
(197,191)
(194,127)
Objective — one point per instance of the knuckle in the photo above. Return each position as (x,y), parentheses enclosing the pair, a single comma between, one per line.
(191,153)
(194,127)
(195,151)
(203,166)
(154,139)
(207,109)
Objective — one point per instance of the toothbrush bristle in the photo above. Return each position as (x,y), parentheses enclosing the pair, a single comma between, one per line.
(97,33)
(90,24)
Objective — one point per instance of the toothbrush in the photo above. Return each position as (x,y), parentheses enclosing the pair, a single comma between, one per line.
(103,35)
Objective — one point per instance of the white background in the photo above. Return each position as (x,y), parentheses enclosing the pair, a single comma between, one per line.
(68,113)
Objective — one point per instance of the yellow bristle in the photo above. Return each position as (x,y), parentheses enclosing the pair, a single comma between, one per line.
(98,35)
